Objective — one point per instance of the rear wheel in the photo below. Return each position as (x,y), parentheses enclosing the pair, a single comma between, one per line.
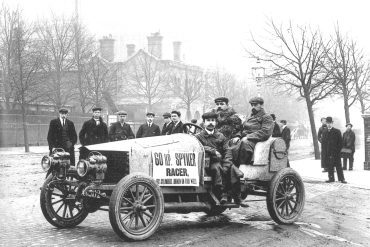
(286,196)
(136,207)
(58,202)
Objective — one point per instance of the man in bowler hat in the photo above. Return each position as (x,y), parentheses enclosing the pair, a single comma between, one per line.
(120,130)
(149,128)
(62,134)
(331,146)
(94,131)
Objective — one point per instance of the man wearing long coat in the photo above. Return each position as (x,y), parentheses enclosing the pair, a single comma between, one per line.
(319,135)
(149,128)
(62,134)
(257,127)
(167,126)
(177,125)
(349,140)
(331,146)
(94,131)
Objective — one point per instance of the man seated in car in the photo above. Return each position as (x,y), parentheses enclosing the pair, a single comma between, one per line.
(257,127)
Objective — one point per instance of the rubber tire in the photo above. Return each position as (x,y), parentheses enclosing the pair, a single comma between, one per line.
(114,204)
(271,196)
(49,213)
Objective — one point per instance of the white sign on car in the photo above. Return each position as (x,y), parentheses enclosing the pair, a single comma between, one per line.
(171,168)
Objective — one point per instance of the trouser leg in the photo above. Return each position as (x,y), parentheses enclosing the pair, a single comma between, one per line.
(351,161)
(330,169)
(217,177)
(339,171)
(345,163)
(72,155)
(245,152)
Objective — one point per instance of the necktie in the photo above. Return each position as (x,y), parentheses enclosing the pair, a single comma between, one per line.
(63,122)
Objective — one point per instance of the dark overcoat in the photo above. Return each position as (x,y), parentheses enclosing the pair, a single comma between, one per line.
(331,145)
(212,143)
(146,131)
(349,140)
(285,134)
(118,131)
(167,128)
(55,139)
(179,128)
(92,133)
(258,127)
(228,123)
(276,131)
(319,136)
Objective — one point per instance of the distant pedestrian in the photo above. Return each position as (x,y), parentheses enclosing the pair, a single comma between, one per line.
(120,130)
(193,121)
(331,146)
(177,126)
(167,126)
(276,132)
(94,131)
(285,134)
(62,134)
(348,149)
(319,135)
(149,128)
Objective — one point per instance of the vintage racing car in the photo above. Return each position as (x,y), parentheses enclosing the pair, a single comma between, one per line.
(139,180)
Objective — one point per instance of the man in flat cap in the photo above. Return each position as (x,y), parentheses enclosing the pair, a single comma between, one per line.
(348,149)
(149,128)
(177,126)
(94,131)
(221,169)
(331,146)
(228,123)
(257,127)
(167,126)
(62,134)
(120,130)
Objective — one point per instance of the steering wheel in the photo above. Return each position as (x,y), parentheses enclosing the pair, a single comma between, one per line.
(190,128)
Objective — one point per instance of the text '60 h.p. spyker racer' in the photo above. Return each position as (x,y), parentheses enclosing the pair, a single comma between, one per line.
(139,180)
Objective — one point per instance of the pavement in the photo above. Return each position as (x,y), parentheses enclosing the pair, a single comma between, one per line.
(308,168)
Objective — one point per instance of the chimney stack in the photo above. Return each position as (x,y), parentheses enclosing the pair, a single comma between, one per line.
(177,51)
(107,48)
(130,50)
(155,44)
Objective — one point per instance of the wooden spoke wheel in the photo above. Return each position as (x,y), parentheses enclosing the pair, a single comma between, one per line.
(136,207)
(58,202)
(286,196)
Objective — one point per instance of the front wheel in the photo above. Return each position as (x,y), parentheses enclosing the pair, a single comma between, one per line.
(286,196)
(136,207)
(58,202)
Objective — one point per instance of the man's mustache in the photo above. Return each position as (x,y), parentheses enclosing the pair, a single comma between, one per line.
(210,125)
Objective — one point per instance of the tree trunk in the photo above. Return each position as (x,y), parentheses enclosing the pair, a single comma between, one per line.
(188,112)
(313,128)
(25,132)
(149,104)
(346,107)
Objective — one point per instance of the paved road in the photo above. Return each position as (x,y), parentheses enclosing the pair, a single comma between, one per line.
(334,215)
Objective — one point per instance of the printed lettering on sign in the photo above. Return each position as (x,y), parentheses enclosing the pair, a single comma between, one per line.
(175,169)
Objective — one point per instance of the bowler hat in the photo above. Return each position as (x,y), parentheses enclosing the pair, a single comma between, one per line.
(97,108)
(208,115)
(256,100)
(150,114)
(329,119)
(166,115)
(176,112)
(349,124)
(222,99)
(121,113)
(283,121)
(63,110)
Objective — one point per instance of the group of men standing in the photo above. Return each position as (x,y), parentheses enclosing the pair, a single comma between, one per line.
(334,146)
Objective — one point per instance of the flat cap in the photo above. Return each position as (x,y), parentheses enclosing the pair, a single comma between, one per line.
(256,100)
(349,124)
(63,110)
(329,119)
(222,99)
(166,114)
(176,112)
(121,113)
(149,113)
(97,108)
(208,115)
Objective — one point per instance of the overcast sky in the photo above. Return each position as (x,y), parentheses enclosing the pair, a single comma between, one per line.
(213,32)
